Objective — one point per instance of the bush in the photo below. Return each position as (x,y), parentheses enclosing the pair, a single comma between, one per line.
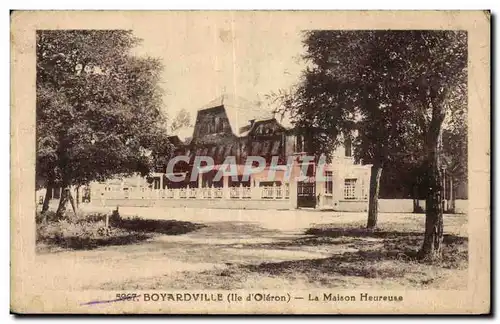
(115,217)
(88,231)
(55,229)
(49,216)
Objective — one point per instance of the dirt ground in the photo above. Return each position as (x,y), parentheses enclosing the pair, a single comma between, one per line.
(265,249)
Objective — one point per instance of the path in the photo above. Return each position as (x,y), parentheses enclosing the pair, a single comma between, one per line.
(230,238)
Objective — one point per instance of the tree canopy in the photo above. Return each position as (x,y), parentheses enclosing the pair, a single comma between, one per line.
(182,119)
(374,82)
(98,107)
(390,90)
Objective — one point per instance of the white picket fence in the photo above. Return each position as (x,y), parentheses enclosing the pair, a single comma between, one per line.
(240,192)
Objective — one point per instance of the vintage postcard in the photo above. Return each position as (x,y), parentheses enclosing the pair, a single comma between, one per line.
(250,162)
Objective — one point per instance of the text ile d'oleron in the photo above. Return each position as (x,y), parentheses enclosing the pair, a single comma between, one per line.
(256,297)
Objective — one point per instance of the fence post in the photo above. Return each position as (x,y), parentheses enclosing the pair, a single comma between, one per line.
(107,220)
(256,192)
(293,193)
(102,199)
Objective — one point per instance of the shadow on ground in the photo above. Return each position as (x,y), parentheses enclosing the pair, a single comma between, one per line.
(249,256)
(167,227)
(236,230)
(90,243)
(359,257)
(90,232)
(380,254)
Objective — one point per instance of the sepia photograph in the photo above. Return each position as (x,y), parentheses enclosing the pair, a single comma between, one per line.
(250,162)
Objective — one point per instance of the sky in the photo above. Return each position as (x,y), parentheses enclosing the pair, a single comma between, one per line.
(205,56)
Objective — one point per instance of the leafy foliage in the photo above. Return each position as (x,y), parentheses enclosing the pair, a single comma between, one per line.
(98,107)
(389,90)
(376,86)
(182,119)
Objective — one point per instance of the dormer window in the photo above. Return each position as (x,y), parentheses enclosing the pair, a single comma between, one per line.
(218,125)
(299,144)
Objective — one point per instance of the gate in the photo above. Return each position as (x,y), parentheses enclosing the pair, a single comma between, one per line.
(306,194)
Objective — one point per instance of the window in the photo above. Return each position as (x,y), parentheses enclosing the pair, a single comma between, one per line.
(220,151)
(255,148)
(228,150)
(235,149)
(219,156)
(350,189)
(276,148)
(328,182)
(299,144)
(156,183)
(266,147)
(242,151)
(348,147)
(218,125)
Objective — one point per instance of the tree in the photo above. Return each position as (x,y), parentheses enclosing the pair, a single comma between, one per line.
(98,108)
(352,87)
(394,89)
(439,81)
(182,119)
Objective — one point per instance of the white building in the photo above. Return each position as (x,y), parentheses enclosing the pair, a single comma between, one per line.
(230,126)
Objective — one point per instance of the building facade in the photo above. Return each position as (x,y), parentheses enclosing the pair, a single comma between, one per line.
(233,127)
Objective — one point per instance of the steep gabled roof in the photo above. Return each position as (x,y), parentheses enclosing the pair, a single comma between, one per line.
(240,112)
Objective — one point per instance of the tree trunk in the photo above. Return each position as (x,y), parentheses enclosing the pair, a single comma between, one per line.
(63,201)
(433,239)
(48,196)
(376,173)
(416,200)
(72,201)
(443,189)
(77,196)
(66,197)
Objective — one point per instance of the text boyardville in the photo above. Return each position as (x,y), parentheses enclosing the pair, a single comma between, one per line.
(265,297)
